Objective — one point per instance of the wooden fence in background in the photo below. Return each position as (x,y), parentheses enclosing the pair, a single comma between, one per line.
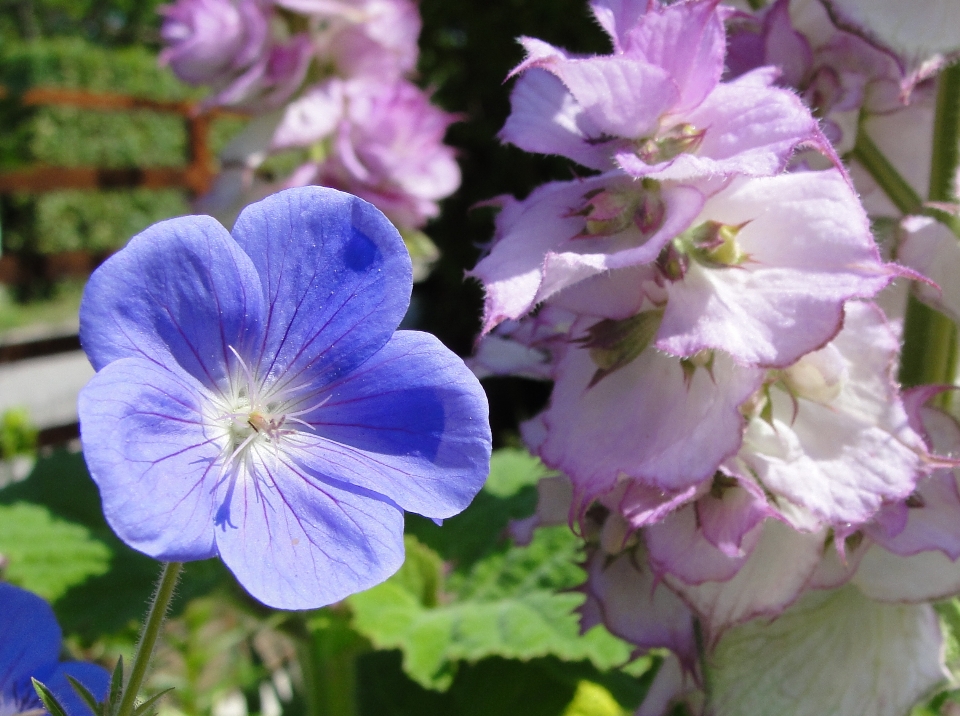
(196,176)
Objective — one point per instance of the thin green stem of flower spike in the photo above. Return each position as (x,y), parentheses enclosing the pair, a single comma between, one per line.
(148,637)
(946,136)
(930,338)
(328,650)
(885,174)
(699,641)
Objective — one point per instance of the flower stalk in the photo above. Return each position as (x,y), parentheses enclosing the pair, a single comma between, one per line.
(159,606)
(328,655)
(930,338)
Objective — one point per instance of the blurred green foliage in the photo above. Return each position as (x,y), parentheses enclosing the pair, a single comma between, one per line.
(114,22)
(498,599)
(480,608)
(18,435)
(94,221)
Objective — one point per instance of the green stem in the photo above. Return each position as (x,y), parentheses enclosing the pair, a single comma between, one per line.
(929,348)
(946,136)
(699,641)
(328,653)
(148,637)
(885,174)
(930,338)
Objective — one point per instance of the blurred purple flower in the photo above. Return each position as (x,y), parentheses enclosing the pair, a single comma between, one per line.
(30,648)
(388,149)
(253,401)
(211,41)
(375,38)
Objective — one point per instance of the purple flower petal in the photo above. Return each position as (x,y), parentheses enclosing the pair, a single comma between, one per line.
(931,514)
(540,252)
(841,444)
(30,648)
(618,17)
(786,299)
(750,129)
(151,448)
(29,638)
(335,275)
(678,547)
(296,542)
(621,96)
(772,578)
(687,40)
(640,421)
(643,505)
(546,119)
(189,311)
(409,424)
(637,607)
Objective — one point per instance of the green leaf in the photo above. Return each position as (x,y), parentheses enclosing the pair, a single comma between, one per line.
(85,694)
(110,602)
(47,555)
(512,469)
(144,708)
(116,687)
(507,606)
(48,699)
(509,494)
(18,434)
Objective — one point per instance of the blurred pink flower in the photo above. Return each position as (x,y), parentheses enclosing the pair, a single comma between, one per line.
(377,38)
(388,149)
(213,41)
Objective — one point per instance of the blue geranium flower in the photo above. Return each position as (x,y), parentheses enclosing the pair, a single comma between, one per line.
(253,399)
(30,647)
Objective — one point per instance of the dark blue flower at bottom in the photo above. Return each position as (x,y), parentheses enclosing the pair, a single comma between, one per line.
(254,400)
(30,648)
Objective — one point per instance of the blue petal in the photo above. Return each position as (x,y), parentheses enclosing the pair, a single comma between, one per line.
(94,677)
(153,454)
(410,424)
(29,640)
(336,275)
(181,290)
(295,543)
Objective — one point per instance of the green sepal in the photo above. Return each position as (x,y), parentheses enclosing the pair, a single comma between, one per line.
(116,688)
(614,344)
(87,697)
(48,699)
(144,708)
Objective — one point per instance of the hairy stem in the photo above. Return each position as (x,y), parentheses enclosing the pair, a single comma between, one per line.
(148,636)
(904,197)
(930,338)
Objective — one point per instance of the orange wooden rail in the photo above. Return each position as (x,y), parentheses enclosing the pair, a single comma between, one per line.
(196,177)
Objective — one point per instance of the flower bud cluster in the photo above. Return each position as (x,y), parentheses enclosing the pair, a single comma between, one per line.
(725,416)
(328,83)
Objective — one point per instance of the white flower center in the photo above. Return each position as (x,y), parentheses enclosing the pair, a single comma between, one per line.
(255,415)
